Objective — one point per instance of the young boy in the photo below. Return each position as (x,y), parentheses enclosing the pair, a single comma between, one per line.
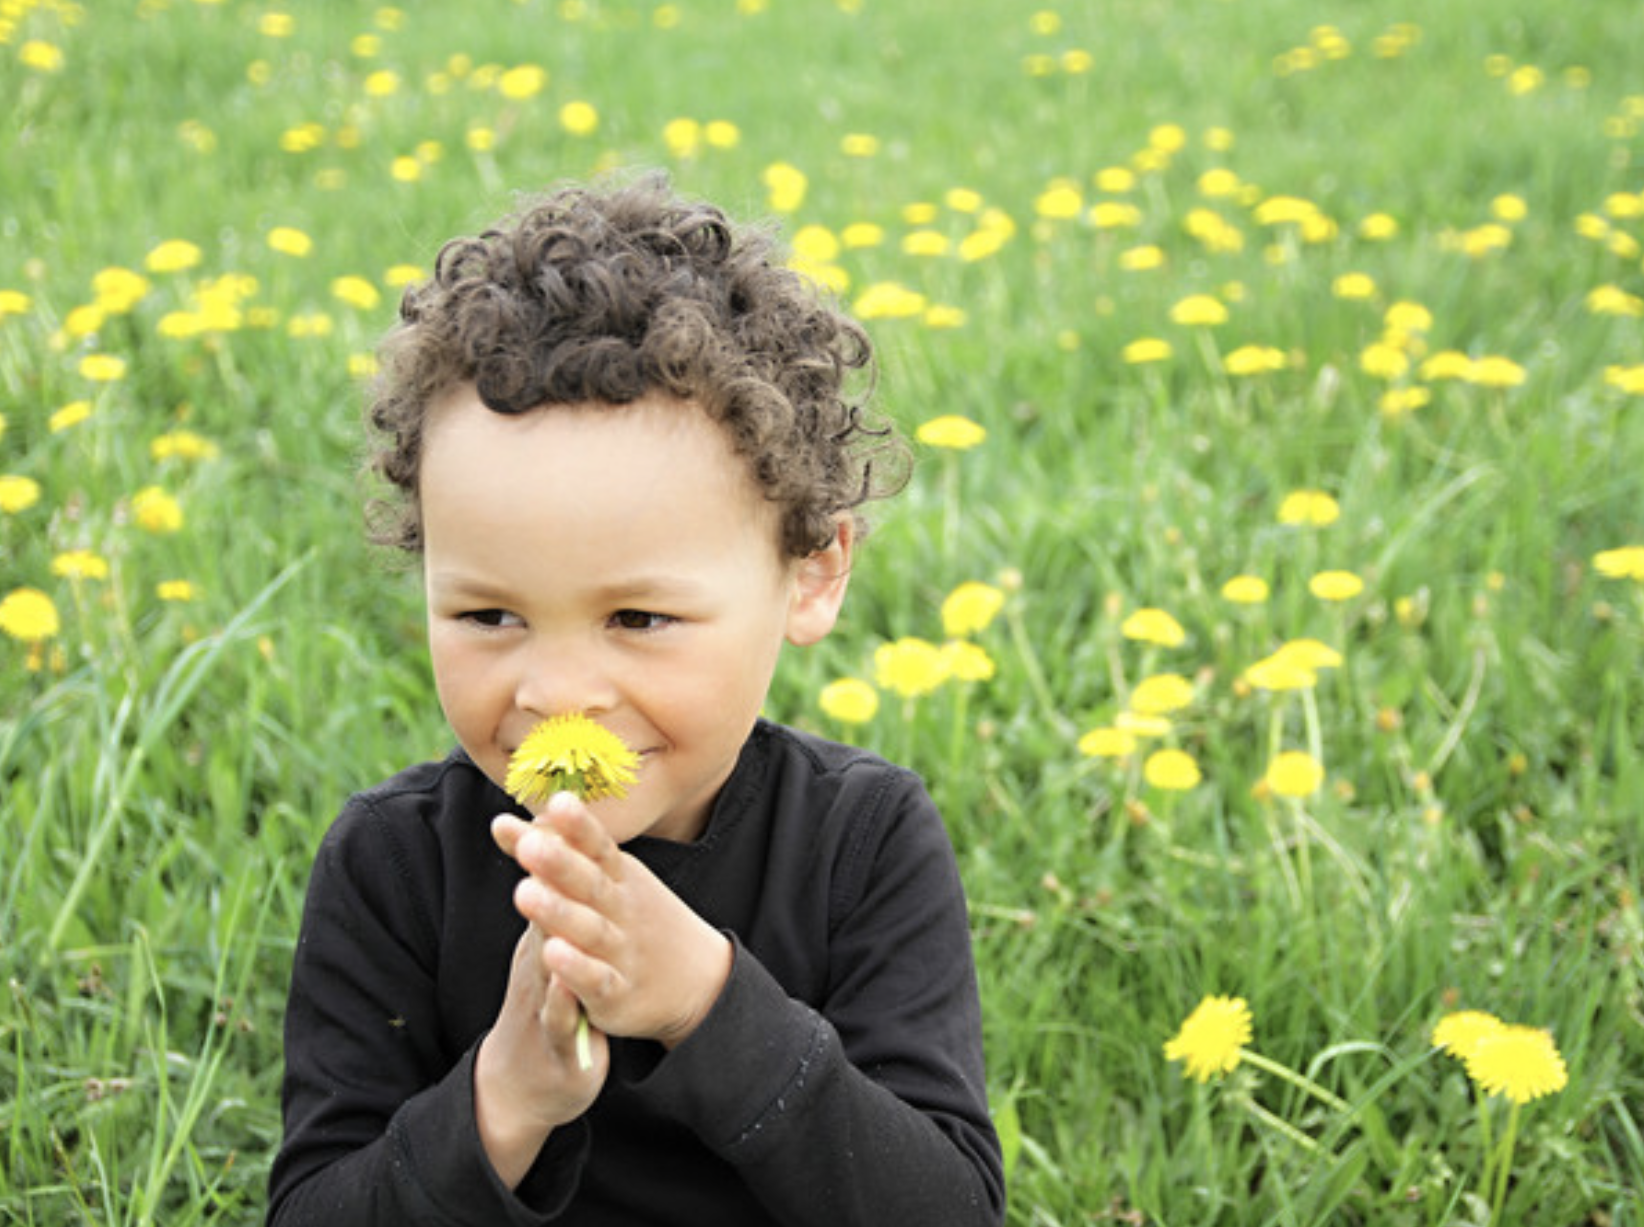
(625,452)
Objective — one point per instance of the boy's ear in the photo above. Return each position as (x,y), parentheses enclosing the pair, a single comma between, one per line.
(820,580)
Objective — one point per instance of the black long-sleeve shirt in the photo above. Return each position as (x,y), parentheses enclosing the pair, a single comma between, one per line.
(838,1080)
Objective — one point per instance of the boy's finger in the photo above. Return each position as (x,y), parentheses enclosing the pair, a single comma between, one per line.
(506,831)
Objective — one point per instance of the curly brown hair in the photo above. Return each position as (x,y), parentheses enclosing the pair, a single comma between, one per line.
(603,295)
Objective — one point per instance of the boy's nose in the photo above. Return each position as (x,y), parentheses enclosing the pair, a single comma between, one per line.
(555,682)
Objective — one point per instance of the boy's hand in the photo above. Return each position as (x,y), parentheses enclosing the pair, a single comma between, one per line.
(641,962)
(527,1081)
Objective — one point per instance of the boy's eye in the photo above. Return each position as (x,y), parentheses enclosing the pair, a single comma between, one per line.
(489,617)
(639,620)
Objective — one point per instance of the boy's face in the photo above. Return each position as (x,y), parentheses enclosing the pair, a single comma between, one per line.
(617,561)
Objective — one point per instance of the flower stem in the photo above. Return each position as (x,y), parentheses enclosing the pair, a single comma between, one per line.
(1280,1125)
(1506,1168)
(1294,1079)
(585,1052)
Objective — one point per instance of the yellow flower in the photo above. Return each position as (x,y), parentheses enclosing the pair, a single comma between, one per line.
(1161,693)
(119,289)
(889,300)
(910,667)
(1309,654)
(1107,743)
(1139,724)
(289,241)
(968,662)
(1520,1063)
(1354,286)
(18,493)
(1212,1038)
(1060,201)
(1254,360)
(1294,773)
(177,590)
(1613,300)
(1496,372)
(785,187)
(970,607)
(570,753)
(1171,770)
(28,614)
(14,302)
(1378,227)
(1624,562)
(850,700)
(1335,585)
(182,445)
(356,292)
(102,368)
(1199,310)
(156,511)
(522,82)
(1142,259)
(172,256)
(1146,349)
(862,234)
(578,117)
(951,431)
(1280,672)
(1447,364)
(1153,626)
(722,134)
(859,145)
(80,564)
(1383,361)
(1311,507)
(1245,590)
(1460,1032)
(40,55)
(925,243)
(682,136)
(1405,316)
(1397,402)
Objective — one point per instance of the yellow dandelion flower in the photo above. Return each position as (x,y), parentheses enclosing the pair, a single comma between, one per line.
(27,614)
(156,511)
(289,241)
(1280,210)
(71,414)
(14,302)
(1405,316)
(1399,402)
(859,145)
(968,662)
(1107,742)
(40,55)
(1212,1038)
(1143,259)
(1494,371)
(1144,350)
(889,300)
(1309,654)
(1161,693)
(1383,361)
(1624,562)
(1294,773)
(850,700)
(182,445)
(1520,1063)
(118,289)
(1061,201)
(1171,771)
(862,234)
(579,118)
(356,292)
(1354,286)
(1335,585)
(1613,300)
(1254,360)
(522,82)
(785,187)
(1149,625)
(1199,310)
(926,243)
(570,753)
(177,590)
(1314,508)
(721,134)
(970,608)
(1115,215)
(102,368)
(1458,1033)
(1447,364)
(18,493)
(1279,672)
(1142,724)
(80,564)
(1245,590)
(953,431)
(172,256)
(910,667)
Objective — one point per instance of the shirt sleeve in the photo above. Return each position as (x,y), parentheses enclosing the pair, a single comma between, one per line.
(379,1121)
(872,1108)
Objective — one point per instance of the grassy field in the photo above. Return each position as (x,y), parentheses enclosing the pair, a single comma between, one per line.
(1343,302)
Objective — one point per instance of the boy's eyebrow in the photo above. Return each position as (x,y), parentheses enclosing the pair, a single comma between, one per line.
(650,586)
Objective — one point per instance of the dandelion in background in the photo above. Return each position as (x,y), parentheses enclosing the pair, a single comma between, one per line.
(1171,770)
(177,591)
(102,368)
(172,256)
(1312,508)
(1294,773)
(1107,742)
(971,608)
(28,615)
(850,700)
(80,564)
(1245,590)
(1199,311)
(1335,585)
(1156,626)
(952,431)
(1517,1062)
(1212,1038)
(910,667)
(1624,562)
(1161,694)
(18,493)
(1144,350)
(156,511)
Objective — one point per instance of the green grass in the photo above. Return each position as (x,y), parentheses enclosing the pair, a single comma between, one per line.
(166,769)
